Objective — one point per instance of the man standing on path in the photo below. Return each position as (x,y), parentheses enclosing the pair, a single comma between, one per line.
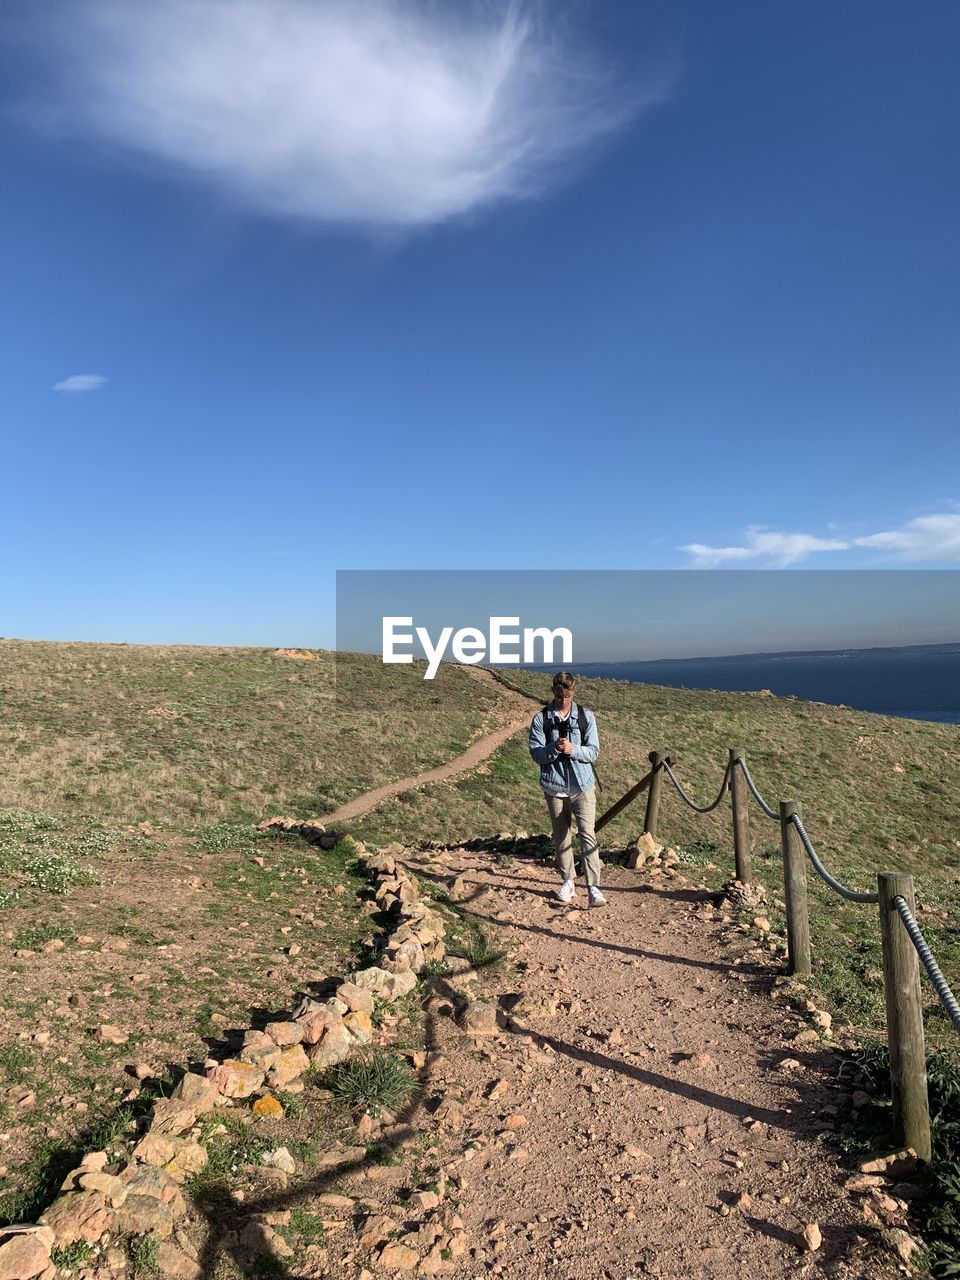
(564,743)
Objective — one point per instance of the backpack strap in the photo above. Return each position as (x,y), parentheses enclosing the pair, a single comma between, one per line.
(546,722)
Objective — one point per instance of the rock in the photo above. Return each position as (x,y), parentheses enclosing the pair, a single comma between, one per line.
(398,1257)
(316,1021)
(535,1006)
(170,1115)
(864,1181)
(404,957)
(336,1045)
(894,1165)
(267,1107)
(761,923)
(107,1033)
(902,1243)
(279,1159)
(77,1215)
(174,1264)
(398,985)
(179,1157)
(516,1121)
(810,1238)
(284,1033)
(199,1092)
(424,1201)
(449,1114)
(822,1020)
(359,1026)
(701,1061)
(153,1202)
(457,888)
(373,979)
(109,1186)
(25,1255)
(259,1050)
(293,1062)
(236,1079)
(355,998)
(375,1230)
(643,849)
(479,1018)
(789,1064)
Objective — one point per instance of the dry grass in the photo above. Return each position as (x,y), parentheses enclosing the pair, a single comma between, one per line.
(177,735)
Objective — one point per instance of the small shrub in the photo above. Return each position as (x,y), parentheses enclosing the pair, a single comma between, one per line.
(55,873)
(74,1255)
(372,1080)
(145,1255)
(476,948)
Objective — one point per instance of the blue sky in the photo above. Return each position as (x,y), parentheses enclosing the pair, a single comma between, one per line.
(619,285)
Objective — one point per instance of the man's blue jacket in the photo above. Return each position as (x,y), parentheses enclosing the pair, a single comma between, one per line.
(560,774)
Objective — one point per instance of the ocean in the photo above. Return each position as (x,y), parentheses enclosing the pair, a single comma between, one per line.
(921,682)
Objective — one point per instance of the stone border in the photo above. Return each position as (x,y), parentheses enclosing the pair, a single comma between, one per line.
(100,1201)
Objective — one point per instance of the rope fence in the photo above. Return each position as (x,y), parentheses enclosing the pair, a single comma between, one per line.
(700,808)
(852,895)
(902,942)
(934,972)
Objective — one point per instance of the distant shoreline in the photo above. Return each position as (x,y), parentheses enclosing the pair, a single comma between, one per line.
(916,682)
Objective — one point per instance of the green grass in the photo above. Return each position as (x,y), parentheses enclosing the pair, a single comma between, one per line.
(471,943)
(52,1159)
(372,1080)
(145,1255)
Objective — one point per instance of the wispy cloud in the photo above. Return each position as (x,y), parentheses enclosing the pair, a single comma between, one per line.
(935,537)
(775,549)
(370,111)
(927,538)
(78,382)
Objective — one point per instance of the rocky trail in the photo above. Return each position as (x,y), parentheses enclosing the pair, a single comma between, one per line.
(643,1106)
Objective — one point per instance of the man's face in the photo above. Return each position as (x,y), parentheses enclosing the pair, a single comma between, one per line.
(562,695)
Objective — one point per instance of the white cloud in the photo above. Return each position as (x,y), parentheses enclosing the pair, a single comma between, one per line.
(775,549)
(78,382)
(933,537)
(383,112)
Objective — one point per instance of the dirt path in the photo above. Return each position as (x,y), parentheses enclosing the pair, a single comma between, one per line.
(654,1117)
(517,707)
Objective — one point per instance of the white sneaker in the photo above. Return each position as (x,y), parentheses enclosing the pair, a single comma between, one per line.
(596,897)
(567,891)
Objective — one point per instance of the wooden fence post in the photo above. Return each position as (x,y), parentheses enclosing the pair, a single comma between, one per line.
(741,819)
(795,889)
(656,759)
(901,989)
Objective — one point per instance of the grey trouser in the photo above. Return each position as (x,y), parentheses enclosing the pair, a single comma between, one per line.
(584,808)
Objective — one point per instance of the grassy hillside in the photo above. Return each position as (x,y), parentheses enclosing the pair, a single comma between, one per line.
(194,914)
(179,735)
